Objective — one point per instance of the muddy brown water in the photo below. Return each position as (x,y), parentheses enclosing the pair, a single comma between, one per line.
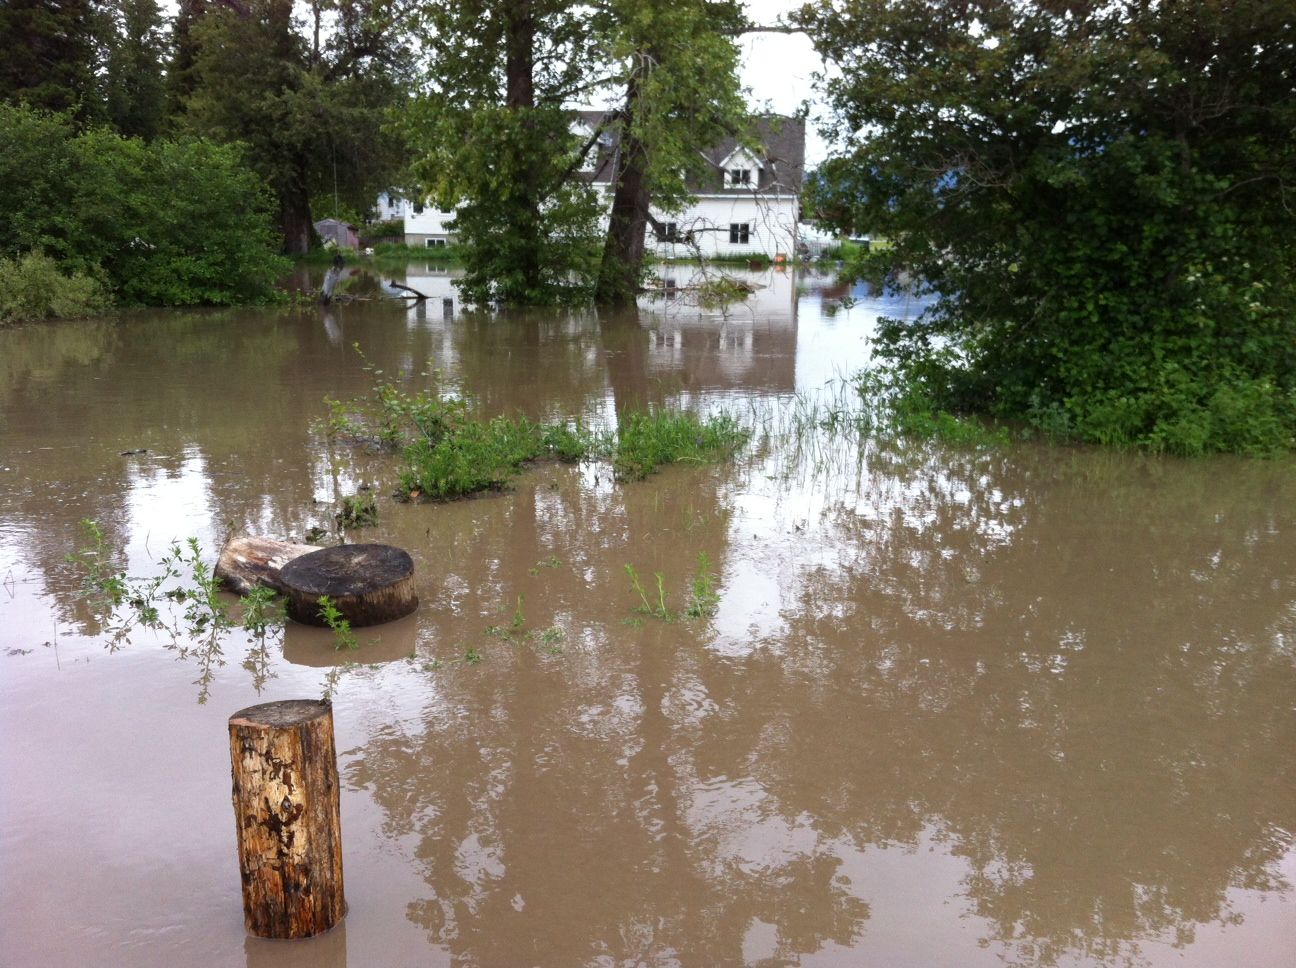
(1026,706)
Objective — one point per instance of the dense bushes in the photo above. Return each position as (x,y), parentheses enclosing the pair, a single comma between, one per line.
(1099,194)
(163,223)
(33,288)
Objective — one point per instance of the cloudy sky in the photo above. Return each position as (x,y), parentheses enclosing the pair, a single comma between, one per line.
(777,68)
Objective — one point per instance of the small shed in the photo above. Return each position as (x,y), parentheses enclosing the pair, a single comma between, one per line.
(341,234)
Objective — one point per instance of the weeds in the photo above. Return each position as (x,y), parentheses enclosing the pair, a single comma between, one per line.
(646,441)
(448,454)
(703,600)
(647,606)
(358,510)
(344,637)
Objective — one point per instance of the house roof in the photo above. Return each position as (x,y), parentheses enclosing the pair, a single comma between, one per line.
(782,158)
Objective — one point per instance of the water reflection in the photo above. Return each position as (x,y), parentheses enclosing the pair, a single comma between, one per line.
(956,708)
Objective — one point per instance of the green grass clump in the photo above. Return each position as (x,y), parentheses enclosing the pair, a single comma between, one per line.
(646,441)
(449,454)
(471,457)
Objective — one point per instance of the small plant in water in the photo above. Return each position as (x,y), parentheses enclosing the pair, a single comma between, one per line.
(648,606)
(704,600)
(345,638)
(358,510)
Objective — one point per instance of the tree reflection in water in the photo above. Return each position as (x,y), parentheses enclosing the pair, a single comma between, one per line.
(1072,671)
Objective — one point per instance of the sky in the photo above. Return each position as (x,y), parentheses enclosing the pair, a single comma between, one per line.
(777,68)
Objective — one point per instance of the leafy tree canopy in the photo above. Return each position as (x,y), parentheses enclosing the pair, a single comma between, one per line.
(306,88)
(163,223)
(1102,195)
(493,131)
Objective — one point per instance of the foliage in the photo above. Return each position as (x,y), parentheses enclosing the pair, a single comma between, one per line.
(491,130)
(32,287)
(646,441)
(310,111)
(389,229)
(167,222)
(1100,196)
(358,510)
(677,63)
(136,46)
(48,53)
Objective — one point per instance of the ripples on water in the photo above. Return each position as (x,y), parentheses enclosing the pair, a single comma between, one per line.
(1032,706)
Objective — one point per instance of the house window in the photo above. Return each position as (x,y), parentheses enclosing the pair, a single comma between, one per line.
(739,176)
(436,243)
(418,208)
(670,232)
(740,232)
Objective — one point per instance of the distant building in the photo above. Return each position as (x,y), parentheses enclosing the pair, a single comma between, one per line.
(749,204)
(390,206)
(341,234)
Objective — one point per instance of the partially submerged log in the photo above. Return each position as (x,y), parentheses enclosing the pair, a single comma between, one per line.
(368,583)
(287,814)
(247,562)
(414,292)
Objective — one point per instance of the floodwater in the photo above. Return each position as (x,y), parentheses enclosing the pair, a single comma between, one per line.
(955,707)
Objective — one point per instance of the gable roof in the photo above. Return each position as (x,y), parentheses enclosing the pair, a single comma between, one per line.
(782,160)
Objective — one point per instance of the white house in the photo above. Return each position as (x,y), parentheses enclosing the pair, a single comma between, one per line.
(748,205)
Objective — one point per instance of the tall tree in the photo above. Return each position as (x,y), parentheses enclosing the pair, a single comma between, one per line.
(49,55)
(1102,197)
(495,123)
(136,46)
(679,66)
(493,133)
(310,104)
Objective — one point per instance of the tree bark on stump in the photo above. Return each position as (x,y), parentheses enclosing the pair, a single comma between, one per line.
(248,561)
(368,583)
(286,809)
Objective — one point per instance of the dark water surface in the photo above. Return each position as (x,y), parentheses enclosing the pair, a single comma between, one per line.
(1033,706)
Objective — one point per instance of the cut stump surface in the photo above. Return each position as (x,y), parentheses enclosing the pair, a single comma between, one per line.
(368,583)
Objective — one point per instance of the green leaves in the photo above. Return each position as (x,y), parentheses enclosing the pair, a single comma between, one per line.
(1091,194)
(166,222)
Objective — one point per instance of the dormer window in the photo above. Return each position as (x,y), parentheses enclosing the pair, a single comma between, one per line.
(742,169)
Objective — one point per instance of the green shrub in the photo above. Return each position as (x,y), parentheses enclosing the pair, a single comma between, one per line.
(180,222)
(33,288)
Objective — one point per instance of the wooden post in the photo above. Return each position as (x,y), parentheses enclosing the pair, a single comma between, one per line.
(286,808)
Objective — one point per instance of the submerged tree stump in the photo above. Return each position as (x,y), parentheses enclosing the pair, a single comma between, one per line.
(247,562)
(286,808)
(368,583)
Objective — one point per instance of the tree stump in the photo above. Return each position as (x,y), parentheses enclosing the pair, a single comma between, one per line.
(286,808)
(368,583)
(247,562)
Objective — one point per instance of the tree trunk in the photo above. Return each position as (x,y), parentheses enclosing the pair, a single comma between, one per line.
(247,562)
(368,583)
(519,77)
(288,817)
(623,249)
(295,223)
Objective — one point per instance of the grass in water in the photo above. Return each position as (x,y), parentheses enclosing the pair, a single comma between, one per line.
(449,454)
